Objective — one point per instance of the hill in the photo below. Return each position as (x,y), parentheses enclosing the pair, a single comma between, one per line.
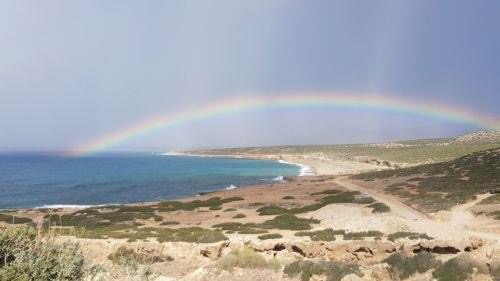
(397,153)
(439,186)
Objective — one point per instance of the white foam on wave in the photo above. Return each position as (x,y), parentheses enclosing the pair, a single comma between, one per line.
(304,169)
(64,206)
(232,186)
(280,178)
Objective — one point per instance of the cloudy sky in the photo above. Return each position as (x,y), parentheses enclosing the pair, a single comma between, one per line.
(73,71)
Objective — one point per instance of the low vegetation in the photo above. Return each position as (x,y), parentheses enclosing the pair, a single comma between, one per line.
(26,256)
(169,206)
(271,210)
(409,235)
(379,207)
(129,257)
(288,197)
(440,186)
(239,216)
(270,236)
(12,219)
(246,258)
(402,266)
(455,269)
(333,197)
(321,235)
(333,271)
(289,222)
(362,234)
(327,192)
(494,199)
(495,215)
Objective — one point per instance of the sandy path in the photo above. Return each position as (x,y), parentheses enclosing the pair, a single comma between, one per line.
(455,227)
(397,207)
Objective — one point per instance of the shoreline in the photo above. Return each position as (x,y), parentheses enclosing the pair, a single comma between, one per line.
(304,171)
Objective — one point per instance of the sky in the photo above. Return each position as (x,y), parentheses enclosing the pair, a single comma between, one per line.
(74,71)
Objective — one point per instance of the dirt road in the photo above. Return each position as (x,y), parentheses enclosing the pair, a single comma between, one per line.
(456,226)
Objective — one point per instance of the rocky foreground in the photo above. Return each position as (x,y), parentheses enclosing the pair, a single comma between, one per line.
(394,224)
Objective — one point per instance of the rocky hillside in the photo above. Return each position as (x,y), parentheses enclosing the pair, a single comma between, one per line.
(438,186)
(481,137)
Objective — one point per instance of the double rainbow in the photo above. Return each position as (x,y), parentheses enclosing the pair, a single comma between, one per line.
(296,100)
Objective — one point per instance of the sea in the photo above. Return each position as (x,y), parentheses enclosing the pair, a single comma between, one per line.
(35,180)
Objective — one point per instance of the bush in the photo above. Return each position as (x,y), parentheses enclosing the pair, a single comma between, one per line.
(271,210)
(245,258)
(362,234)
(239,216)
(288,221)
(327,192)
(170,223)
(342,197)
(307,208)
(410,235)
(403,267)
(321,235)
(288,197)
(128,257)
(379,208)
(365,200)
(334,271)
(270,236)
(13,219)
(455,269)
(29,257)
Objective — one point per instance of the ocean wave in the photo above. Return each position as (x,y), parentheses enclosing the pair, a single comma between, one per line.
(64,206)
(232,186)
(280,178)
(304,169)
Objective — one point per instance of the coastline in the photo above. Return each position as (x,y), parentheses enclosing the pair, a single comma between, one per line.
(305,170)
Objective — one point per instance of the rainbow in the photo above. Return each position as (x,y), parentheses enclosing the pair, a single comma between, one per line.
(294,100)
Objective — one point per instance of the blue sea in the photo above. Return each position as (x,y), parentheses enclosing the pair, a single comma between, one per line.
(38,180)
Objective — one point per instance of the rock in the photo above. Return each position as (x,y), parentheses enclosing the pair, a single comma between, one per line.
(214,252)
(351,277)
(447,247)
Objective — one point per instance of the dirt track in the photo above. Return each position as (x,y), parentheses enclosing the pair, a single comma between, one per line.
(456,226)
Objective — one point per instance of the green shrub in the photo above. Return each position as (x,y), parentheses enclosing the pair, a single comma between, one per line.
(270,236)
(245,258)
(327,192)
(288,221)
(215,208)
(306,209)
(14,219)
(402,266)
(365,200)
(410,235)
(321,235)
(256,204)
(128,257)
(170,223)
(342,197)
(230,210)
(362,234)
(239,216)
(247,228)
(271,210)
(30,258)
(379,207)
(334,271)
(455,269)
(168,206)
